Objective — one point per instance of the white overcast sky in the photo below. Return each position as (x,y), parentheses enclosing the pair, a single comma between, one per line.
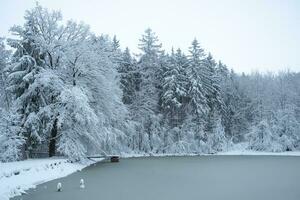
(246,35)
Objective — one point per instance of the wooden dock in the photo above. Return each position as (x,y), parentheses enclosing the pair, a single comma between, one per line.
(111,158)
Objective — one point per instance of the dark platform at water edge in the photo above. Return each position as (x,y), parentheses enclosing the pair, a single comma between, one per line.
(181,178)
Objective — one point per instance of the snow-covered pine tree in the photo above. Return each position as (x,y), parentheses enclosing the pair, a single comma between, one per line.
(174,90)
(4,58)
(212,85)
(237,114)
(27,64)
(196,92)
(115,43)
(211,82)
(129,77)
(116,52)
(147,101)
(10,141)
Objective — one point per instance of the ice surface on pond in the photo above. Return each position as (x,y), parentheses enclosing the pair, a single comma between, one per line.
(178,178)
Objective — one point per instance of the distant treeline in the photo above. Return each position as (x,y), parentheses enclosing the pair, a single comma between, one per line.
(65,90)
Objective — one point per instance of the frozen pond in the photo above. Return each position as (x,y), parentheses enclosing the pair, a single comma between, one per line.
(181,178)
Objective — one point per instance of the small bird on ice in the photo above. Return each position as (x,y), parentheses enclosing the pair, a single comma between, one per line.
(82,183)
(59,187)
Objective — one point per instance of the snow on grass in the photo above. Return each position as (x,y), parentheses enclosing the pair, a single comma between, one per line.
(237,149)
(17,177)
(241,149)
(224,153)
(258,153)
(140,155)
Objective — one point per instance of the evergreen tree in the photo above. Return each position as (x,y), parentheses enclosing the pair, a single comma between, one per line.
(115,43)
(196,92)
(174,90)
(212,87)
(237,117)
(129,77)
(27,64)
(4,57)
(147,100)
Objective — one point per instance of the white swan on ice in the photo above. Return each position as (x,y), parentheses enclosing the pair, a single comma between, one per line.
(59,187)
(81,183)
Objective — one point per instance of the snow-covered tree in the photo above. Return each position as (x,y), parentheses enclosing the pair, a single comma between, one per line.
(4,57)
(129,77)
(174,90)
(211,82)
(237,114)
(33,78)
(287,128)
(149,69)
(51,60)
(77,124)
(216,140)
(26,65)
(261,138)
(10,142)
(196,91)
(212,85)
(147,98)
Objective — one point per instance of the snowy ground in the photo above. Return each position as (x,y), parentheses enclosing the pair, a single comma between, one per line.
(229,153)
(241,149)
(17,177)
(257,153)
(238,149)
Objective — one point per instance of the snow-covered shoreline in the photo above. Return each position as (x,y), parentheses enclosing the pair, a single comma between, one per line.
(225,153)
(17,177)
(259,153)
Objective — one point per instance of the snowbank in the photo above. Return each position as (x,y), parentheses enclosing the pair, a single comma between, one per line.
(137,155)
(17,177)
(260,153)
(241,149)
(237,149)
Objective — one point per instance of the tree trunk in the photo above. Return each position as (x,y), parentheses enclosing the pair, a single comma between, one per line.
(23,152)
(52,142)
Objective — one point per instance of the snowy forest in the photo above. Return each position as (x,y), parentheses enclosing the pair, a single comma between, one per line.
(66,91)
